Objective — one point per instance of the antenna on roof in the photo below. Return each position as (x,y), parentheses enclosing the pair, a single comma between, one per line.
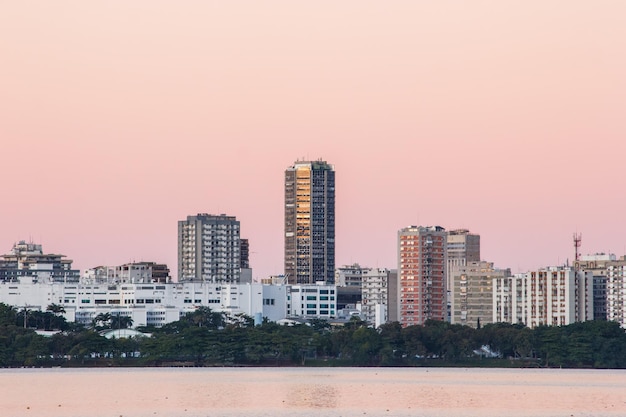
(577,239)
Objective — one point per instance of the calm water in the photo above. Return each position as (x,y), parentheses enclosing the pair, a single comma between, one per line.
(199,392)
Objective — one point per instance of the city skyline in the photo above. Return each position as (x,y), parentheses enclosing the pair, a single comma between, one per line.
(506,120)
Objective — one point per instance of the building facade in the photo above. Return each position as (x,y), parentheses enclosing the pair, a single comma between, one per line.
(609,286)
(364,287)
(310,222)
(375,295)
(462,247)
(28,260)
(349,276)
(133,273)
(616,293)
(555,296)
(392,296)
(209,249)
(312,301)
(422,264)
(244,253)
(472,292)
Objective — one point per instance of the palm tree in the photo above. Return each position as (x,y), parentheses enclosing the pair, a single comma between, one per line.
(55,309)
(121,322)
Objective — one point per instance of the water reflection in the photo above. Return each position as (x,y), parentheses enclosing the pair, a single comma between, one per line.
(299,392)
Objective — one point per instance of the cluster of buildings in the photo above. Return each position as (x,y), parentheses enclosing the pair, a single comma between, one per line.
(439,276)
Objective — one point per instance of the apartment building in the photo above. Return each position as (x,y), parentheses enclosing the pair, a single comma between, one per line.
(29,260)
(209,249)
(422,276)
(375,295)
(472,292)
(555,296)
(609,285)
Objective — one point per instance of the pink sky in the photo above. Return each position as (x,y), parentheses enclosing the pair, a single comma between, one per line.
(117,119)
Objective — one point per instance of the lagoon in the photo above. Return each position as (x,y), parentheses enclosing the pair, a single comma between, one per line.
(348,392)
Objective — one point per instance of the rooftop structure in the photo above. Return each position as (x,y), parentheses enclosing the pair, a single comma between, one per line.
(133,273)
(29,260)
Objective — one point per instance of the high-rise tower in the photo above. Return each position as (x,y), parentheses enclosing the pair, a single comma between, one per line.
(310,222)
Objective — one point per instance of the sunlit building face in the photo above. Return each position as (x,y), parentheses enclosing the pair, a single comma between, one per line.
(310,222)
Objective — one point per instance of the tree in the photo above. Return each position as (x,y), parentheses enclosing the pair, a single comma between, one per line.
(55,309)
(205,317)
(55,319)
(101,322)
(8,315)
(119,321)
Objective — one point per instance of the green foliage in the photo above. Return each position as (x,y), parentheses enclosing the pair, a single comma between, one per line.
(208,338)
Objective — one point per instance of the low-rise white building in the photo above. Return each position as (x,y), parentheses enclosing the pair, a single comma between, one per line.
(157,304)
(312,301)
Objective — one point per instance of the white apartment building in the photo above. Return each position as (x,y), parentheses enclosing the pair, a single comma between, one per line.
(373,286)
(609,274)
(616,294)
(555,296)
(375,295)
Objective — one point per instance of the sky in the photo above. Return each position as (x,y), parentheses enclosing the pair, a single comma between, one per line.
(507,118)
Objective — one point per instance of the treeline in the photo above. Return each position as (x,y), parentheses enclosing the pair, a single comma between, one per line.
(207,338)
